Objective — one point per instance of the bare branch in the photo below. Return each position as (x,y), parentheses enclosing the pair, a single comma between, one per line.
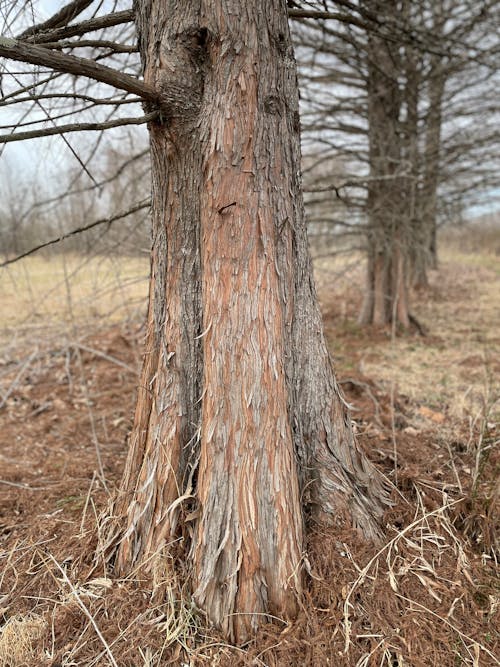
(119,216)
(93,43)
(62,17)
(73,97)
(106,21)
(77,127)
(88,188)
(337,16)
(61,62)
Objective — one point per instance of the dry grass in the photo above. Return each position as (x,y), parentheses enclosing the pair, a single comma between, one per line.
(456,367)
(44,296)
(19,638)
(426,412)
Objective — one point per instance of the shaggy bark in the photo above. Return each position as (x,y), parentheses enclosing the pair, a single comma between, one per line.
(241,432)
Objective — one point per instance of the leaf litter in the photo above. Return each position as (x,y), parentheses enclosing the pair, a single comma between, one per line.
(429,595)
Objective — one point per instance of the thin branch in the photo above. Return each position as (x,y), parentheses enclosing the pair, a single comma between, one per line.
(320,15)
(61,18)
(104,221)
(87,188)
(52,117)
(106,21)
(62,62)
(30,87)
(92,43)
(77,127)
(74,97)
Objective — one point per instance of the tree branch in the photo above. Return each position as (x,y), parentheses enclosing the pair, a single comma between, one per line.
(93,43)
(74,97)
(337,16)
(77,127)
(106,21)
(61,18)
(62,62)
(138,207)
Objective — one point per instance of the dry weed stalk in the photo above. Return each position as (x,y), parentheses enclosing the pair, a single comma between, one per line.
(416,551)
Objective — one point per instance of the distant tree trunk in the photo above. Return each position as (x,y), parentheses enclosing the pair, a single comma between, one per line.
(425,249)
(386,297)
(417,237)
(240,429)
(432,156)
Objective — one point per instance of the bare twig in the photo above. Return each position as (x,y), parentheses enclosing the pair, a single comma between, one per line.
(77,127)
(138,207)
(107,357)
(17,378)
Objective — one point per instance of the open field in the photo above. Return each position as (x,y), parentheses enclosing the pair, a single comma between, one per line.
(62,293)
(427,411)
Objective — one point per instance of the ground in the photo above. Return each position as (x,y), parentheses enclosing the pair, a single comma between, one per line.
(426,410)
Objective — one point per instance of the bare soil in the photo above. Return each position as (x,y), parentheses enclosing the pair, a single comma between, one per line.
(426,411)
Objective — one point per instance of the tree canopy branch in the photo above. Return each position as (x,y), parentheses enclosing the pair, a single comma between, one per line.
(316,14)
(106,21)
(61,18)
(68,64)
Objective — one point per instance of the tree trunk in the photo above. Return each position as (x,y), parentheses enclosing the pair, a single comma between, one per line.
(425,251)
(386,296)
(432,156)
(240,429)
(413,195)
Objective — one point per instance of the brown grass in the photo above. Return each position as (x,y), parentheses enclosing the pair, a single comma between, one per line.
(426,411)
(18,639)
(44,297)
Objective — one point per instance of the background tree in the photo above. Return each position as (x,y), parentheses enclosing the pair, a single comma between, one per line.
(391,94)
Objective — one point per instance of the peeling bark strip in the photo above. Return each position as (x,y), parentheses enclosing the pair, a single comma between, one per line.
(240,429)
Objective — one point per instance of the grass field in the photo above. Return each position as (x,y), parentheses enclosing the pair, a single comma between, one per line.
(65,293)
(454,366)
(427,411)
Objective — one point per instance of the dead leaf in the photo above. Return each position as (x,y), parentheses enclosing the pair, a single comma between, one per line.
(437,417)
